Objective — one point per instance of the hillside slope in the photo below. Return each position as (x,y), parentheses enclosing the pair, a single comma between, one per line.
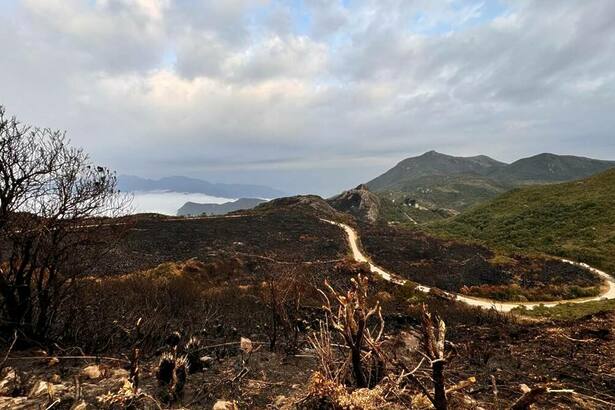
(429,164)
(549,168)
(573,219)
(457,192)
(443,182)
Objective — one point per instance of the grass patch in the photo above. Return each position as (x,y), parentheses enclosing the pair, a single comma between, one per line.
(568,311)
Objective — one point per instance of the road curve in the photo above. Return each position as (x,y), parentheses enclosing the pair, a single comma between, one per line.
(359,256)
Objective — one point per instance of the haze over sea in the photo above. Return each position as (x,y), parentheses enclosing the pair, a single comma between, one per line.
(168,202)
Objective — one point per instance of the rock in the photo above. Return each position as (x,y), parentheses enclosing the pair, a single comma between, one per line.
(359,202)
(207,361)
(11,383)
(92,372)
(225,405)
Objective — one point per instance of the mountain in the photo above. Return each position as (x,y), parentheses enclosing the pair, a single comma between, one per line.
(432,163)
(549,168)
(573,219)
(131,183)
(439,181)
(194,209)
(455,192)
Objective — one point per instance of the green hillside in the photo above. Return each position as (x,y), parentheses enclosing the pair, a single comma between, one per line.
(430,164)
(444,183)
(573,219)
(549,168)
(456,192)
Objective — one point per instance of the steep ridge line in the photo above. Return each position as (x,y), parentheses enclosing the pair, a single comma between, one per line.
(472,301)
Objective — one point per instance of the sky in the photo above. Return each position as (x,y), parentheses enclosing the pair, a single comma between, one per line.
(310,95)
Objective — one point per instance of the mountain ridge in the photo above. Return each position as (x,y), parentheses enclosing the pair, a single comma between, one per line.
(429,164)
(443,181)
(548,167)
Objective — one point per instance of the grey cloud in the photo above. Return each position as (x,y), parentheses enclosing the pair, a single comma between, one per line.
(251,100)
(113,36)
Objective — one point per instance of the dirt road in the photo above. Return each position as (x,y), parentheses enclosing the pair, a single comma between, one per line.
(359,256)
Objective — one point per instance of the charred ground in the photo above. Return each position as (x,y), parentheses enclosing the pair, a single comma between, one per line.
(474,269)
(221,279)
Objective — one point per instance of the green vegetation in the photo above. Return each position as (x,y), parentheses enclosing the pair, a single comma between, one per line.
(514,292)
(575,220)
(431,164)
(549,168)
(568,311)
(393,209)
(450,191)
(443,182)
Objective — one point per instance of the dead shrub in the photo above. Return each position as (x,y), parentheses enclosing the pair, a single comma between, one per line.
(350,319)
(324,393)
(165,297)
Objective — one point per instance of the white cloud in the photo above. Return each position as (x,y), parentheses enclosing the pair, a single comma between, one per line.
(170,87)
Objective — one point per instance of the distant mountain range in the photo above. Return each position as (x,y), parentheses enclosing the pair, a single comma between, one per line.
(129,183)
(443,181)
(195,209)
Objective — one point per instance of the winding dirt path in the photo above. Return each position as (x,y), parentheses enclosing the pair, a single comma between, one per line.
(359,256)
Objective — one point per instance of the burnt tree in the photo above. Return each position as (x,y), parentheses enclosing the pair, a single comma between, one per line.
(56,220)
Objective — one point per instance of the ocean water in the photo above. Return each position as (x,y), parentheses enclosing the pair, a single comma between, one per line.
(168,202)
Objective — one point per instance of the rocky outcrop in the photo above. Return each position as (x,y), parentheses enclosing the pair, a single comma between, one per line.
(358,202)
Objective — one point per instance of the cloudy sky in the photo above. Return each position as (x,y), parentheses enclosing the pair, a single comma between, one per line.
(310,95)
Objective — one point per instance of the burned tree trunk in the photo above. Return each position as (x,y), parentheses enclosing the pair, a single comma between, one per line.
(433,341)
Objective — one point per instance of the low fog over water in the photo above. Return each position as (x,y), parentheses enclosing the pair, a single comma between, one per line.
(167,202)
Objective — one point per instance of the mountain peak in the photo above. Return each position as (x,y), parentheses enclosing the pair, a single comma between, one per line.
(548,167)
(431,163)
(433,154)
